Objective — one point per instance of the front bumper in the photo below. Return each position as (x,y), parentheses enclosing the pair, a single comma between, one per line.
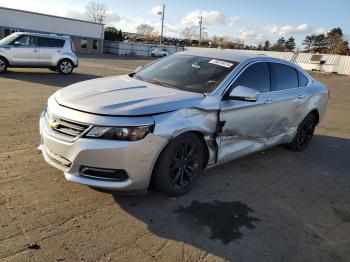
(136,158)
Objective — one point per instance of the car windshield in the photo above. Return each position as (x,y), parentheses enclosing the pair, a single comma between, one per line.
(190,73)
(8,39)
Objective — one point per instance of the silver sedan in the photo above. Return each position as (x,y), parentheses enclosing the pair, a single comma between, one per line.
(167,121)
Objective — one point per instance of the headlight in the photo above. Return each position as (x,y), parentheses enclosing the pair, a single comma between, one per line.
(120,133)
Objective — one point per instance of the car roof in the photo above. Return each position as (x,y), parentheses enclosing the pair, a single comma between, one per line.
(43,35)
(231,55)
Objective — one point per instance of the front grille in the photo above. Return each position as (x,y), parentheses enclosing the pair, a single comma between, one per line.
(66,128)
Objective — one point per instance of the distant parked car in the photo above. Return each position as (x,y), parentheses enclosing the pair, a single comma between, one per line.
(38,50)
(168,120)
(159,52)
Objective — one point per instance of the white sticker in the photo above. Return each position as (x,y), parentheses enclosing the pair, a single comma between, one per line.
(220,63)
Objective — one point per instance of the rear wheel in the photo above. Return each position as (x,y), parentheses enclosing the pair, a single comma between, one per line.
(65,67)
(304,134)
(3,65)
(178,165)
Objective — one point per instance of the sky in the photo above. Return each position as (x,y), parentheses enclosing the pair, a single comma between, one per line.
(251,21)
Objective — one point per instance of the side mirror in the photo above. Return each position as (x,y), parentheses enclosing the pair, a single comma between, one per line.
(17,43)
(244,93)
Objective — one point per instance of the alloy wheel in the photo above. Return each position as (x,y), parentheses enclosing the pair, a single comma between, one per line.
(306,131)
(66,67)
(184,164)
(2,65)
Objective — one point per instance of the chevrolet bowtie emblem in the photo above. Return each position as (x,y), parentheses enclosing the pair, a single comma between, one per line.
(53,123)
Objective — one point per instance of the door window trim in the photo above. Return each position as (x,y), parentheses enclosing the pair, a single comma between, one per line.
(229,88)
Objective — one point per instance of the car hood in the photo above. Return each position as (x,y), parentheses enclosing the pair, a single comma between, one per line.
(124,96)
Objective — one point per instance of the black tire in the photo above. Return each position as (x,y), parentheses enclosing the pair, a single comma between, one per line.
(153,55)
(3,65)
(55,69)
(65,66)
(304,133)
(178,165)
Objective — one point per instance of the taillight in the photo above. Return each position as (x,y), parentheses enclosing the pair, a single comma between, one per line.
(72,46)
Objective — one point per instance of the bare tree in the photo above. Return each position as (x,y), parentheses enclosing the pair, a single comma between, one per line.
(145,29)
(190,32)
(96,11)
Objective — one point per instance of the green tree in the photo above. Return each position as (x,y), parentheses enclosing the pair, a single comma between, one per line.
(309,42)
(120,36)
(111,33)
(290,44)
(280,45)
(337,45)
(267,45)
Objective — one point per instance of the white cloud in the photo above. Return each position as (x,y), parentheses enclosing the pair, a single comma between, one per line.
(290,30)
(209,18)
(271,28)
(320,30)
(156,9)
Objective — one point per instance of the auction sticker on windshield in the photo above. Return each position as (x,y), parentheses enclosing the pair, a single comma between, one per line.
(220,63)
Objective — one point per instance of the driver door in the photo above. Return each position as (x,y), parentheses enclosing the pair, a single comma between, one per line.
(24,51)
(246,124)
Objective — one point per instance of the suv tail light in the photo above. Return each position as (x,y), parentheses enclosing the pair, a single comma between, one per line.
(72,46)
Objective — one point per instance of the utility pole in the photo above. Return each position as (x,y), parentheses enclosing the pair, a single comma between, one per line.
(200,29)
(161,32)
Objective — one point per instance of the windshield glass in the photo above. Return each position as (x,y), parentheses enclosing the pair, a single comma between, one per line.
(8,39)
(189,73)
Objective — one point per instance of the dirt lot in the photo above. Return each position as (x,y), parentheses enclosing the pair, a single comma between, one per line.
(275,205)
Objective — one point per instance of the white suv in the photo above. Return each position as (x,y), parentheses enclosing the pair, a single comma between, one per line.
(38,50)
(159,52)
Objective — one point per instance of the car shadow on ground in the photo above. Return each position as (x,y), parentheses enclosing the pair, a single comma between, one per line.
(48,78)
(240,207)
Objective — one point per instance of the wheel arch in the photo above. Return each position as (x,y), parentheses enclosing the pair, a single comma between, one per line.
(316,114)
(64,58)
(6,60)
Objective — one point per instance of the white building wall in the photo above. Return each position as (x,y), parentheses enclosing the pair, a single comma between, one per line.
(17,19)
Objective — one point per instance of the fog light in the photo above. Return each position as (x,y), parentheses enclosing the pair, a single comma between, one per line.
(104,173)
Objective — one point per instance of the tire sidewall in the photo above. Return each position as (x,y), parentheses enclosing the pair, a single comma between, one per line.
(161,176)
(6,65)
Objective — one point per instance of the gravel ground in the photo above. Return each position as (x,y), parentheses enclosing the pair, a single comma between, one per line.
(275,205)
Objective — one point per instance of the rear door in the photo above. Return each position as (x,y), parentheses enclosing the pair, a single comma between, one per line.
(24,51)
(246,124)
(287,101)
(50,50)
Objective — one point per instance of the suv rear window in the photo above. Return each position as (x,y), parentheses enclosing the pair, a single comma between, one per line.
(50,42)
(283,77)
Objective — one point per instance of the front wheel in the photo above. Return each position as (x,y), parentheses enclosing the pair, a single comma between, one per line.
(3,65)
(65,67)
(178,165)
(304,134)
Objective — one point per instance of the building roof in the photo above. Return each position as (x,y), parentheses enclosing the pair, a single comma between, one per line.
(61,17)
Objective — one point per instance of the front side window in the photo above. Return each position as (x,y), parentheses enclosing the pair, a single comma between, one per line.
(191,73)
(256,76)
(283,77)
(25,40)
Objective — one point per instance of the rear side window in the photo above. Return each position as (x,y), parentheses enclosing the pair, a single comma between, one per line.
(283,77)
(50,42)
(302,79)
(256,76)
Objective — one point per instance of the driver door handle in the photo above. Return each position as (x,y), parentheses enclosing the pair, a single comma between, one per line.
(301,96)
(35,50)
(268,101)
